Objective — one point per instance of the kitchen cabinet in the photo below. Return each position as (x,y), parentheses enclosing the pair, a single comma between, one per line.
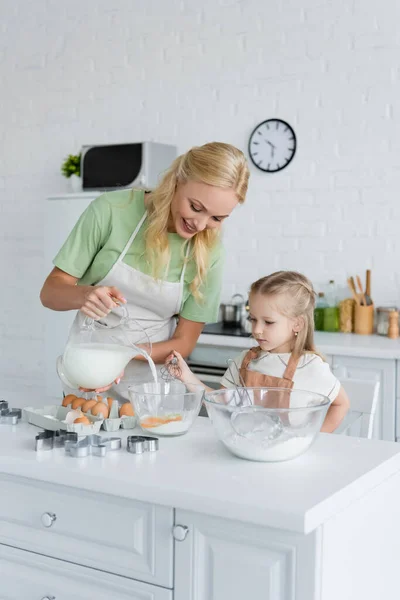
(193,522)
(374,369)
(218,559)
(25,576)
(117,535)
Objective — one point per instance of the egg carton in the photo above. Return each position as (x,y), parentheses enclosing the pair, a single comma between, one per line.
(53,418)
(114,422)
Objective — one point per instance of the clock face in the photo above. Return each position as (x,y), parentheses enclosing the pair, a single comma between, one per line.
(272,145)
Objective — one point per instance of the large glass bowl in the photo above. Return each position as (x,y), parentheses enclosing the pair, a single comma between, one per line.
(166,408)
(266,424)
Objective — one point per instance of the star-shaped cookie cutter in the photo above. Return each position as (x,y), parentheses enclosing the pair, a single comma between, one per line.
(92,444)
(9,416)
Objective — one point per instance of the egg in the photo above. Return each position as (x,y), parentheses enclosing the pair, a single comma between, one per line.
(99,398)
(77,403)
(82,420)
(88,405)
(100,410)
(68,399)
(126,410)
(72,415)
(109,402)
(149,422)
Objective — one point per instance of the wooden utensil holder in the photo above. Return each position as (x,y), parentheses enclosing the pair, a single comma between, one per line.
(364,319)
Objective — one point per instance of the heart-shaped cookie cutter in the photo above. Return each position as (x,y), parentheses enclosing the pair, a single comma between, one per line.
(92,444)
(137,444)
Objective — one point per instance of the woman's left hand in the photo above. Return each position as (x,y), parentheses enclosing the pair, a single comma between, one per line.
(105,388)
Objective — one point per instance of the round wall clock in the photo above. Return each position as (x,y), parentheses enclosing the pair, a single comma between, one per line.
(272,145)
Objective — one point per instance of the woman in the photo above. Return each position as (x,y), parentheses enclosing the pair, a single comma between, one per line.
(160,254)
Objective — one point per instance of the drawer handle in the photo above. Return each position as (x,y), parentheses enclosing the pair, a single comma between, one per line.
(180,532)
(48,519)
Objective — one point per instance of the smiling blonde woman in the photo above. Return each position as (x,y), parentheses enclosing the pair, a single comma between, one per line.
(158,253)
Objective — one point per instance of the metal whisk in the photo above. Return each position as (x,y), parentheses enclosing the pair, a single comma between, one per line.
(171,370)
(243,394)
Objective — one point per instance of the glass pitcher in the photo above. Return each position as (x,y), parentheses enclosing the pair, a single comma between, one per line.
(97,352)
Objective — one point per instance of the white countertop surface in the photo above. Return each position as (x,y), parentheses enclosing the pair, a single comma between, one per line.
(195,472)
(341,344)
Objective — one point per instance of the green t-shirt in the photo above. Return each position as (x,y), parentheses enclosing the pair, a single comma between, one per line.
(100,235)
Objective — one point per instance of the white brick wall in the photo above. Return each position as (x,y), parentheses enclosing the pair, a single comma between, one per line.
(190,72)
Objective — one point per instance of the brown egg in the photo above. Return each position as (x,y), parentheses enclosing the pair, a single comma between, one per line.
(68,399)
(100,409)
(126,410)
(88,405)
(109,402)
(77,403)
(83,420)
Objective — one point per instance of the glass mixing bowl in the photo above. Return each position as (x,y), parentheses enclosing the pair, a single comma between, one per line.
(252,424)
(166,408)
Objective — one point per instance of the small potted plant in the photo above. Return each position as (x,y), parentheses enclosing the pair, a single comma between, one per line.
(71,168)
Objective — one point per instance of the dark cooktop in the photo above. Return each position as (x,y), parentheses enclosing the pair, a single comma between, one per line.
(221,329)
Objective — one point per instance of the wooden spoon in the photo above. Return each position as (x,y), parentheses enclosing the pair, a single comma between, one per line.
(350,283)
(360,287)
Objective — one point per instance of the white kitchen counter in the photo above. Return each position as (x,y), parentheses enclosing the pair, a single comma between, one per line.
(196,473)
(339,344)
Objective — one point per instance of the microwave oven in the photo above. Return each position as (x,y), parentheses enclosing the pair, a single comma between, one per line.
(138,165)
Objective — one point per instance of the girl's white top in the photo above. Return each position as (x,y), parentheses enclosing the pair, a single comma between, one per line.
(312,373)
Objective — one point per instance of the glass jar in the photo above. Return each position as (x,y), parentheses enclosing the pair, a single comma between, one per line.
(320,305)
(382,319)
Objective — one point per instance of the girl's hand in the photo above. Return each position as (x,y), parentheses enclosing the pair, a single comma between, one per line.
(179,369)
(99,300)
(105,388)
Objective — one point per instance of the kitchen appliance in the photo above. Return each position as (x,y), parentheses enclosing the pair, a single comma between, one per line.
(210,362)
(118,166)
(260,432)
(233,311)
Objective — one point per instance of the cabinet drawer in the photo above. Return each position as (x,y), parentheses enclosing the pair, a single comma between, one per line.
(25,576)
(106,532)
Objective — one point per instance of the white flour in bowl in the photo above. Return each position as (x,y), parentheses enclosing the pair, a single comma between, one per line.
(172,428)
(279,451)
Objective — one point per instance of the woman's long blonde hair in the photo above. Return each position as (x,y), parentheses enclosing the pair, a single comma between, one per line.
(298,300)
(216,164)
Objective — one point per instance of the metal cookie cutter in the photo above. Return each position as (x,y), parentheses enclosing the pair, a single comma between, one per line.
(137,444)
(92,444)
(9,416)
(47,440)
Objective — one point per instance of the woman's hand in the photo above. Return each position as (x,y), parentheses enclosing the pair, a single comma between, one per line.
(105,388)
(99,300)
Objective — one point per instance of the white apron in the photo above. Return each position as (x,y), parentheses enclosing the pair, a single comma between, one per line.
(153,304)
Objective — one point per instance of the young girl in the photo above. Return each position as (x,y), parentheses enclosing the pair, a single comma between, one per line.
(282,318)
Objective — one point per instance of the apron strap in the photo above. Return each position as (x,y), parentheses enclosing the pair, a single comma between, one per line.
(252,354)
(291,367)
(134,234)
